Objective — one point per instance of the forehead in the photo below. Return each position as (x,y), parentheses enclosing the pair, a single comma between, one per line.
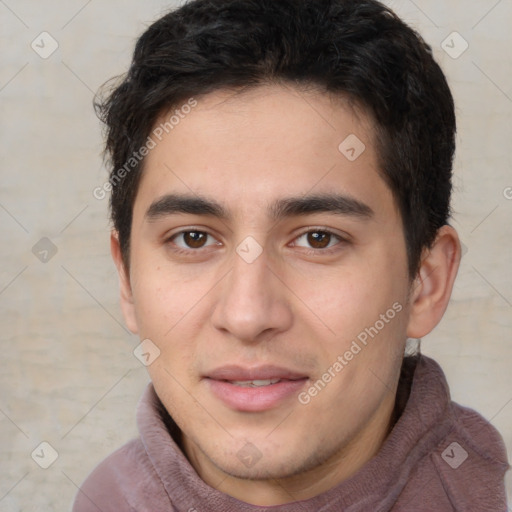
(246,149)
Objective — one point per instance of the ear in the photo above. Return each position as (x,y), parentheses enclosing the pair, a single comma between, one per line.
(127,303)
(432,287)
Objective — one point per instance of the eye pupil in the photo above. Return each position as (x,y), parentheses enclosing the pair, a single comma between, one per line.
(194,239)
(319,239)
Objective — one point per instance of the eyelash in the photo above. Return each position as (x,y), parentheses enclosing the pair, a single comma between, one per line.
(309,251)
(181,250)
(328,250)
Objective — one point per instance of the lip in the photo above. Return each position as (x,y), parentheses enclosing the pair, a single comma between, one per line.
(254,399)
(235,372)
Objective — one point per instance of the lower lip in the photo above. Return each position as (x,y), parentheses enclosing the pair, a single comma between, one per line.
(255,399)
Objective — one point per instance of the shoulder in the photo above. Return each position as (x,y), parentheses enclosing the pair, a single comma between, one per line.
(122,481)
(480,435)
(462,459)
(471,462)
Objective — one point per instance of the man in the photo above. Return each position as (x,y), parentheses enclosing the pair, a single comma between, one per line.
(281,179)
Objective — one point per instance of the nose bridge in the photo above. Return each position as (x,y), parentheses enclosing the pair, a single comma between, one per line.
(249,301)
(249,281)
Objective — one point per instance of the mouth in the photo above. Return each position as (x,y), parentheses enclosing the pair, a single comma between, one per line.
(255,389)
(254,383)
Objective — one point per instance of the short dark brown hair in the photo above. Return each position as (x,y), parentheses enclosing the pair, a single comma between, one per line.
(356,48)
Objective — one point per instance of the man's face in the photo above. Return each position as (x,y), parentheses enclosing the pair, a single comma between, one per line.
(242,274)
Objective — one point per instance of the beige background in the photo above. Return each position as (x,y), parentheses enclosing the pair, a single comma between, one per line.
(68,374)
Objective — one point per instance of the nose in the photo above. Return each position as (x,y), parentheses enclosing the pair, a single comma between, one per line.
(252,301)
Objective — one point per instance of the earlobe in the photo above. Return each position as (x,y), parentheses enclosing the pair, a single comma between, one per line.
(127,302)
(432,288)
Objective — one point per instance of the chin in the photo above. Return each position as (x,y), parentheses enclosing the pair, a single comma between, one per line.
(268,462)
(264,469)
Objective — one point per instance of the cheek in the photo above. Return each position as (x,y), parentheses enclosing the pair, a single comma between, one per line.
(348,301)
(366,313)
(155,305)
(362,313)
(162,298)
(171,311)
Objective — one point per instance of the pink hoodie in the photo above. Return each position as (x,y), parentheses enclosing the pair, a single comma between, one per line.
(439,457)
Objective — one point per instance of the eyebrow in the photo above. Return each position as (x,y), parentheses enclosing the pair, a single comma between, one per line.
(321,203)
(288,207)
(194,205)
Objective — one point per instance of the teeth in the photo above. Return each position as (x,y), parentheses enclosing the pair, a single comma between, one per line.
(254,383)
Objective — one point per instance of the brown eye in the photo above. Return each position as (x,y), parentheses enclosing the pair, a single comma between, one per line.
(194,239)
(318,239)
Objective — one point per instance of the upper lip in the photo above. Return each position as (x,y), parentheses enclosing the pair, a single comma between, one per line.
(266,372)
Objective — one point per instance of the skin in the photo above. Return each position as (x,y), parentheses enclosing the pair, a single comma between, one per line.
(299,304)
